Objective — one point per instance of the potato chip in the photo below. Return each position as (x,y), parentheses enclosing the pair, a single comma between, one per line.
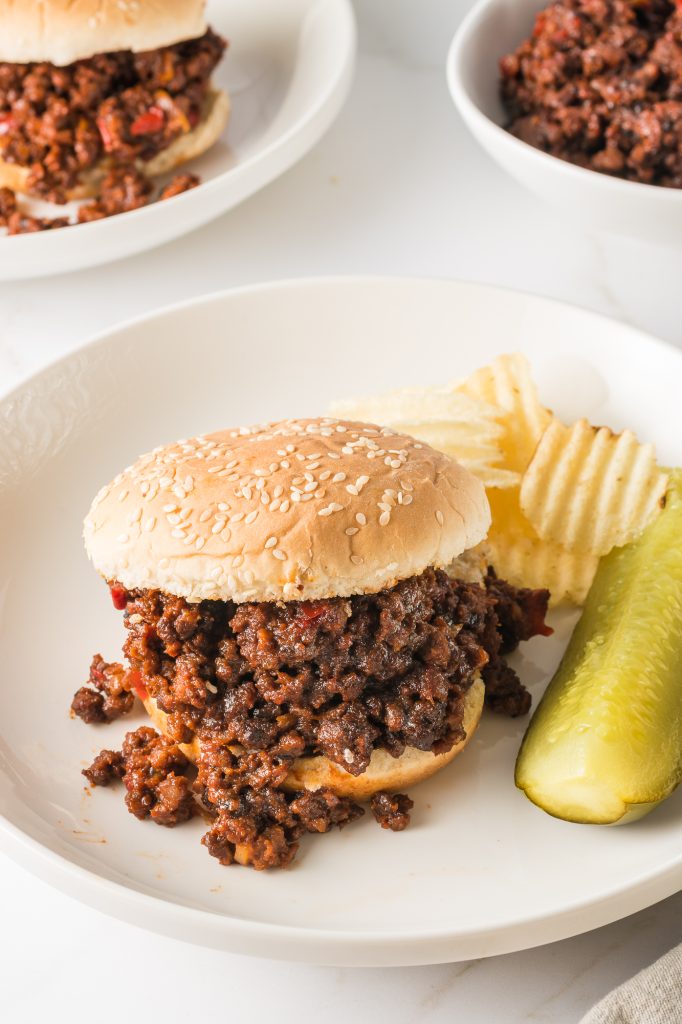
(520,556)
(465,428)
(589,489)
(416,405)
(507,384)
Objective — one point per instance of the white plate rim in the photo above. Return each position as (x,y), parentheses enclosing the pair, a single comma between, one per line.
(320,945)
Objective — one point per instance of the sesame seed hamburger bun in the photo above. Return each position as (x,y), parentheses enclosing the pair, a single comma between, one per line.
(288,511)
(214,117)
(384,771)
(61,31)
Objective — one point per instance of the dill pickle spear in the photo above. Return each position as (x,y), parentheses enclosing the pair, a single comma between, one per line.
(605,744)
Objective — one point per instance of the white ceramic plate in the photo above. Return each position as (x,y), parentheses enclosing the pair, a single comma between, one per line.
(288,70)
(481,870)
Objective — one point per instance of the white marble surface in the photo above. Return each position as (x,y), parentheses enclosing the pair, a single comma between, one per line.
(396,187)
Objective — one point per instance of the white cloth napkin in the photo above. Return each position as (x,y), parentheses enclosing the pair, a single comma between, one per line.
(654,996)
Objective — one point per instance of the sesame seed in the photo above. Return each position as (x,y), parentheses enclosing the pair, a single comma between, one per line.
(205,515)
(384,518)
(351,531)
(226,535)
(270,542)
(122,538)
(333,455)
(165,482)
(284,507)
(296,496)
(310,486)
(285,464)
(251,517)
(237,517)
(347,449)
(407,500)
(211,688)
(150,524)
(279,555)
(338,478)
(237,561)
(439,517)
(357,559)
(217,528)
(352,489)
(278,491)
(199,543)
(361,518)
(178,532)
(173,519)
(215,573)
(384,506)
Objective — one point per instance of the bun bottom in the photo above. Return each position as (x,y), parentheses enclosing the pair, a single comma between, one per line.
(214,117)
(383,773)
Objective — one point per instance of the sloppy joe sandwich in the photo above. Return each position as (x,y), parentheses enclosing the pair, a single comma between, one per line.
(102,84)
(310,622)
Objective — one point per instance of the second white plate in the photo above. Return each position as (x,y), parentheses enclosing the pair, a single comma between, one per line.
(288,70)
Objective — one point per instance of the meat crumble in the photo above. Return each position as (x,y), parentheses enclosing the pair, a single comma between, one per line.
(261,684)
(391,810)
(599,84)
(112,111)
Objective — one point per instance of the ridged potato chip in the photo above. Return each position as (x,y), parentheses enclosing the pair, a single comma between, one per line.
(589,489)
(520,556)
(465,428)
(507,383)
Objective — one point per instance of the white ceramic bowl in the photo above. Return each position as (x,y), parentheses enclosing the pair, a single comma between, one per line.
(596,201)
(288,71)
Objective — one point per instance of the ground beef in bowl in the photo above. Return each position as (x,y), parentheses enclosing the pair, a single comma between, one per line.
(599,84)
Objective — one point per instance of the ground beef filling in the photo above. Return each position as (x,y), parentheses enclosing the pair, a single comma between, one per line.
(262,684)
(63,121)
(599,83)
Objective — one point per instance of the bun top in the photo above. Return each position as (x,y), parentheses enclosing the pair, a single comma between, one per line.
(296,510)
(62,31)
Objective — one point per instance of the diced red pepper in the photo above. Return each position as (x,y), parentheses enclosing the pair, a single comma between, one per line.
(149,123)
(135,683)
(310,611)
(119,596)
